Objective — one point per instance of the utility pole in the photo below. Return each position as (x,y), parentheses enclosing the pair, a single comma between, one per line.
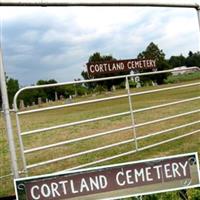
(6,111)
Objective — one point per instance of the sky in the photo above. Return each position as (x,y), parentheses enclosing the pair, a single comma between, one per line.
(56,42)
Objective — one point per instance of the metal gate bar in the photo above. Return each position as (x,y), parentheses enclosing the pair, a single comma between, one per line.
(105,133)
(95,100)
(104,117)
(131,152)
(109,146)
(189,4)
(77,139)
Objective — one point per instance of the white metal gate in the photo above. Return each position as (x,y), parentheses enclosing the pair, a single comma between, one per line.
(132,127)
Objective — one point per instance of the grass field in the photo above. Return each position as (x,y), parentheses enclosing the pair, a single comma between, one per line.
(71,114)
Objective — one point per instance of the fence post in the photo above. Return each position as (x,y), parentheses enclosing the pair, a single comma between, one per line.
(6,111)
(132,115)
(21,145)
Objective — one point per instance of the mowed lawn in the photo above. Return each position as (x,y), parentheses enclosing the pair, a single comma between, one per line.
(88,111)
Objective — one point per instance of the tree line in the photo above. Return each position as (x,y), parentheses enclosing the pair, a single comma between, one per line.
(50,94)
(152,51)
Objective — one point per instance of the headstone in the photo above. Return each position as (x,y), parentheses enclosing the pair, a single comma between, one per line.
(131,73)
(56,96)
(137,80)
(113,88)
(61,97)
(154,83)
(138,85)
(69,100)
(73,96)
(33,103)
(76,94)
(39,101)
(21,104)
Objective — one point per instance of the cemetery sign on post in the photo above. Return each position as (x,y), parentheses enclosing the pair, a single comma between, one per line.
(108,67)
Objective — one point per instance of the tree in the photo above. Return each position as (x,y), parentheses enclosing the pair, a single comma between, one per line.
(66,91)
(152,51)
(12,88)
(97,57)
(29,96)
(49,92)
(190,54)
(177,61)
(193,59)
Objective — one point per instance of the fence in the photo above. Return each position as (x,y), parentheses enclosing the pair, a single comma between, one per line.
(131,127)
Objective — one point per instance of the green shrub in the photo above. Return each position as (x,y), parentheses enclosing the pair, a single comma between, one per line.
(132,84)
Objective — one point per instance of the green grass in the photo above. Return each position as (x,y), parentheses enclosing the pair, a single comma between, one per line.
(192,194)
(183,77)
(71,114)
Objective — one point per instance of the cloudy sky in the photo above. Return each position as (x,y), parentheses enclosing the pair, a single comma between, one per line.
(56,42)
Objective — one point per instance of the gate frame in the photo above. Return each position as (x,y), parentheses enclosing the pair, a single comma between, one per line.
(131,112)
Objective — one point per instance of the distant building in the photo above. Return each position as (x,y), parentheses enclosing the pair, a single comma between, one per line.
(185,70)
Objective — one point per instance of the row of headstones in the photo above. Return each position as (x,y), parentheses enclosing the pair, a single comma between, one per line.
(61,98)
(40,102)
(69,100)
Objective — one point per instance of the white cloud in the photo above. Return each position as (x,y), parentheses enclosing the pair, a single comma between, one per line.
(18,57)
(66,73)
(180,35)
(64,38)
(62,59)
(30,36)
(19,48)
(12,13)
(89,24)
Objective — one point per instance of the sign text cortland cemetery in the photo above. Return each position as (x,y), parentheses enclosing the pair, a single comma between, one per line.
(114,181)
(108,67)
